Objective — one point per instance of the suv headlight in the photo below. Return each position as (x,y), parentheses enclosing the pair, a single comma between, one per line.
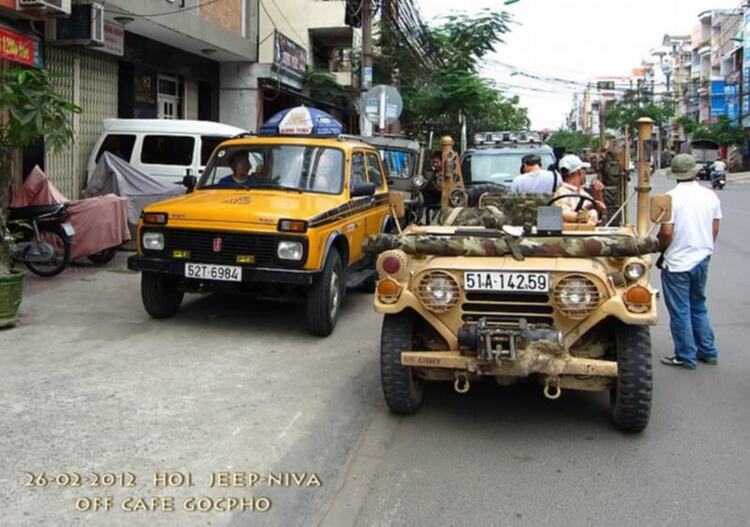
(634,270)
(576,296)
(153,241)
(287,250)
(438,291)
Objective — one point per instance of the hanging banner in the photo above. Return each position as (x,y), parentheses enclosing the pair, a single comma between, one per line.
(20,48)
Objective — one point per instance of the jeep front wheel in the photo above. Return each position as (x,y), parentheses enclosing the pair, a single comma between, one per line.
(160,295)
(630,399)
(402,389)
(325,297)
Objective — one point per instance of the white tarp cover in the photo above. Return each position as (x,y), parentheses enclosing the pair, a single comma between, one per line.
(112,175)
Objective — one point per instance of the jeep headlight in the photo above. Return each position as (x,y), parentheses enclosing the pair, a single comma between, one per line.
(419,182)
(438,291)
(576,296)
(634,270)
(153,241)
(290,250)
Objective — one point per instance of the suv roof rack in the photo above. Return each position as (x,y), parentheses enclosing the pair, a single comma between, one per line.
(508,138)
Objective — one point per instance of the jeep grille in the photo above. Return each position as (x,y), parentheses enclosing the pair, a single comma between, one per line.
(507,309)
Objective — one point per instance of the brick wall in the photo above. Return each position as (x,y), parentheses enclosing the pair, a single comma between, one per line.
(227,14)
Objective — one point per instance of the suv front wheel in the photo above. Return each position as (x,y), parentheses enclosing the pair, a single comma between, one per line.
(402,389)
(160,294)
(325,297)
(631,397)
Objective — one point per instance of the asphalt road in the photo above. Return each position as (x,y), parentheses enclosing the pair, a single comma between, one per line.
(89,384)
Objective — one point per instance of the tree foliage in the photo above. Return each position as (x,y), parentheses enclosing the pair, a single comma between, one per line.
(322,85)
(572,141)
(723,131)
(636,104)
(434,98)
(30,108)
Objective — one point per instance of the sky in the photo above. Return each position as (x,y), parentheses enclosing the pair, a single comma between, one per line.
(576,40)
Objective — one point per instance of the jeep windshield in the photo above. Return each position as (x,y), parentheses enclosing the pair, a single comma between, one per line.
(499,167)
(276,167)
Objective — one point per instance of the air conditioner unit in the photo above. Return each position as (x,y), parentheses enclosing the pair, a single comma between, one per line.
(84,27)
(46,7)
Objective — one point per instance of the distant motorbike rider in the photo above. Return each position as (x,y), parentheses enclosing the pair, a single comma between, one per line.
(718,170)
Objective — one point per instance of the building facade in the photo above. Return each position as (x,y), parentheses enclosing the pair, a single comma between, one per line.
(134,59)
(295,36)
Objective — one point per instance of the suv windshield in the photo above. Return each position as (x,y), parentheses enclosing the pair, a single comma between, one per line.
(400,164)
(497,167)
(291,167)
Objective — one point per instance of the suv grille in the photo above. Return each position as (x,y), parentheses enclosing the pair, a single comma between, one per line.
(201,246)
(507,309)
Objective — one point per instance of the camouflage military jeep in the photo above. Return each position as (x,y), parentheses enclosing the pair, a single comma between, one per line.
(476,298)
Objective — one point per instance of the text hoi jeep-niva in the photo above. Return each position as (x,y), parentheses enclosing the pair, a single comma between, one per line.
(506,290)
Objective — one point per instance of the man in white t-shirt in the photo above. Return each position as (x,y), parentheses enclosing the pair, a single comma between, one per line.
(534,178)
(688,242)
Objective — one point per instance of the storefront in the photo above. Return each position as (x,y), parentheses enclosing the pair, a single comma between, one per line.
(130,76)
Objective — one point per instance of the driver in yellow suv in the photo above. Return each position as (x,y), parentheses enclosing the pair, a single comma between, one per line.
(240,166)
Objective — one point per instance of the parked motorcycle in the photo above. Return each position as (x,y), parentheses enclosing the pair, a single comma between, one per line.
(43,238)
(718,180)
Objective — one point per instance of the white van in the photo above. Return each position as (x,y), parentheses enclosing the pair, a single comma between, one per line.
(164,148)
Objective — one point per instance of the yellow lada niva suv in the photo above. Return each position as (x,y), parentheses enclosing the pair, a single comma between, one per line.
(281,216)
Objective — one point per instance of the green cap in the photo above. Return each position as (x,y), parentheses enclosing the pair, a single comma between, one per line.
(683,167)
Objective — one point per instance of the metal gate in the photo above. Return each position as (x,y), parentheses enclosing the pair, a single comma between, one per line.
(90,81)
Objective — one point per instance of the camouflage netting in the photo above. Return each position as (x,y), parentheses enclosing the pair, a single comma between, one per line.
(554,246)
(489,217)
(517,207)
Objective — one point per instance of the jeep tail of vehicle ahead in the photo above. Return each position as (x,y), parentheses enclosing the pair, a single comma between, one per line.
(489,295)
(279,216)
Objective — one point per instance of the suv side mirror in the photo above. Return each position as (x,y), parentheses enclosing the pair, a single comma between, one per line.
(189,181)
(363,189)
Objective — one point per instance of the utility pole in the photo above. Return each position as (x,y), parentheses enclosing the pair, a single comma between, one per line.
(366,81)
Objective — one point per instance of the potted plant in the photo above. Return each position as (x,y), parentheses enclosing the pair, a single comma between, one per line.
(30,108)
